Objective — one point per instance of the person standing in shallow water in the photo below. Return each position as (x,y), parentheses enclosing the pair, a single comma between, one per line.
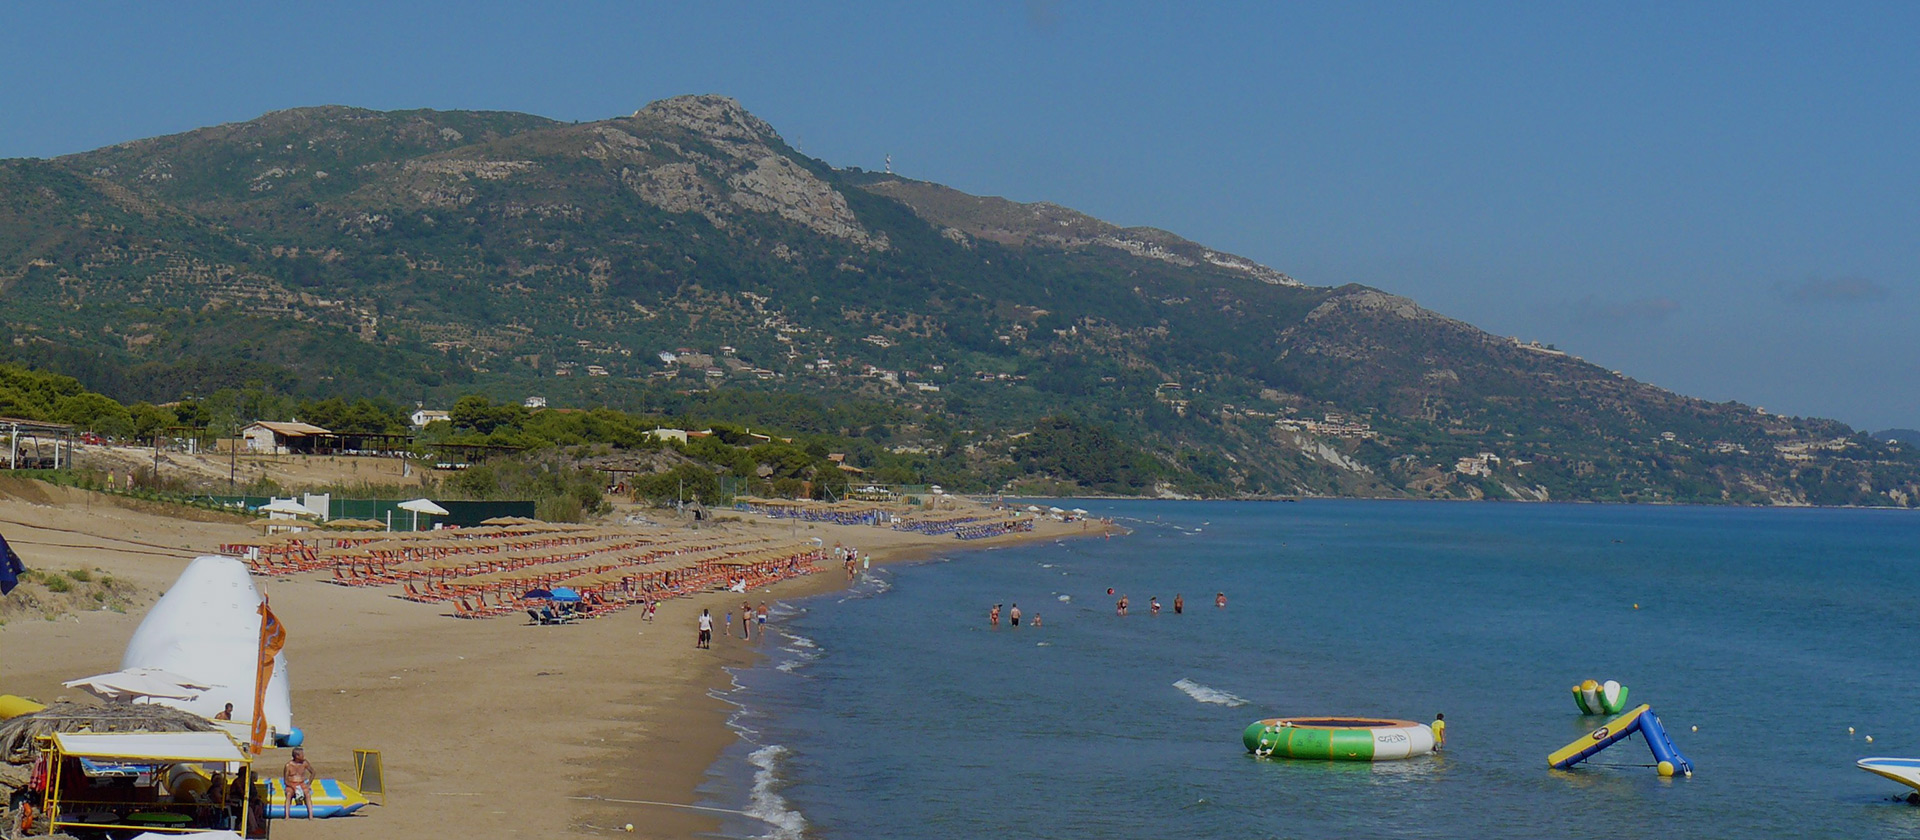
(1153,605)
(1220,600)
(1014,614)
(993,615)
(1120,606)
(1179,604)
(1439,731)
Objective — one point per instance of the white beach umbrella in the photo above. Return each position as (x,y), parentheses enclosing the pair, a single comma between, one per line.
(169,676)
(1033,508)
(423,506)
(420,506)
(1081,511)
(124,685)
(287,506)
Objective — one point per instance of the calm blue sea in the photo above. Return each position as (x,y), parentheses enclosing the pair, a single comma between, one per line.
(893,710)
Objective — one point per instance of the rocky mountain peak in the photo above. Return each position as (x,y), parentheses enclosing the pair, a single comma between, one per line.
(712,116)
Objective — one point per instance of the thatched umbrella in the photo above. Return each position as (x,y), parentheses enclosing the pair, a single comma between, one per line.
(17,735)
(354,525)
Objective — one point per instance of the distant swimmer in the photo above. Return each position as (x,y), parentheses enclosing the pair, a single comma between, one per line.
(1036,619)
(993,615)
(1121,605)
(1179,604)
(1220,600)
(1439,731)
(1153,605)
(1014,615)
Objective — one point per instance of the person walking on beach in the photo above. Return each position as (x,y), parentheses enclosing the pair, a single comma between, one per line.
(1179,604)
(706,629)
(1439,731)
(762,618)
(297,776)
(1015,615)
(647,614)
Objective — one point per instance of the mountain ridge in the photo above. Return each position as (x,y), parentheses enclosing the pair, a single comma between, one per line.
(421,254)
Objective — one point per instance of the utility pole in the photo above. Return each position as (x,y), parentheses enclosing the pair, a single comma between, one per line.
(233,459)
(155,477)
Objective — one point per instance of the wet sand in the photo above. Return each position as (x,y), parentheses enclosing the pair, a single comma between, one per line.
(489,727)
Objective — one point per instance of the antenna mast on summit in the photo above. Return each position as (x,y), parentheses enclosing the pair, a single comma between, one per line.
(889,164)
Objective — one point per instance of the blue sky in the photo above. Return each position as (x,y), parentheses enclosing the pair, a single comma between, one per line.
(1722,199)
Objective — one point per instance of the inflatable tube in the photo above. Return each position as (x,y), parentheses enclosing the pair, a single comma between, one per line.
(331,798)
(1598,698)
(12,706)
(1338,738)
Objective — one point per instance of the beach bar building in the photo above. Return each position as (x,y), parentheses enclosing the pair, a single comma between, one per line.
(129,782)
(33,445)
(273,438)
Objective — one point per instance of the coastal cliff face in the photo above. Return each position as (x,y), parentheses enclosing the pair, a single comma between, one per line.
(686,247)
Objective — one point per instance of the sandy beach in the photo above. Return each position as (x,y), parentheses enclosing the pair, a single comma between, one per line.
(489,727)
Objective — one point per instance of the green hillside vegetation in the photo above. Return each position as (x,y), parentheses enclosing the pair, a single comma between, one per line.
(685,264)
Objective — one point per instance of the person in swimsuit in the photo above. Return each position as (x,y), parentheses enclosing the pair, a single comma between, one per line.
(1153,605)
(993,615)
(225,714)
(1121,605)
(1220,600)
(761,617)
(1014,614)
(298,778)
(1179,604)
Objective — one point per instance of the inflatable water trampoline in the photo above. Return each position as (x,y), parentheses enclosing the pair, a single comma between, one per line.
(1338,738)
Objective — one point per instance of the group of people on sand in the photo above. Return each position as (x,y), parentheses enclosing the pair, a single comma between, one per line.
(1179,603)
(1013,616)
(751,621)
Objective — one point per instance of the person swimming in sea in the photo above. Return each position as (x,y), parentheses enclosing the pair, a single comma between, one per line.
(1220,600)
(1153,605)
(1179,604)
(1121,605)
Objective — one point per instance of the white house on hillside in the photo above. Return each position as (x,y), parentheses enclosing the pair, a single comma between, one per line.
(425,416)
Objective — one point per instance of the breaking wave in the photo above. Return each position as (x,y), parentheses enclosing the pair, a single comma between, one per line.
(1209,694)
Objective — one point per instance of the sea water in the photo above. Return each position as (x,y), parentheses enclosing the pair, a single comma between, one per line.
(1758,636)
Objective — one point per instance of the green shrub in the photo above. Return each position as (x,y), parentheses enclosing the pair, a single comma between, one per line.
(80,575)
(56,583)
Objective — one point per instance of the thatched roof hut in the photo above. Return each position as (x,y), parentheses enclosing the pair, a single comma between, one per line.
(17,735)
